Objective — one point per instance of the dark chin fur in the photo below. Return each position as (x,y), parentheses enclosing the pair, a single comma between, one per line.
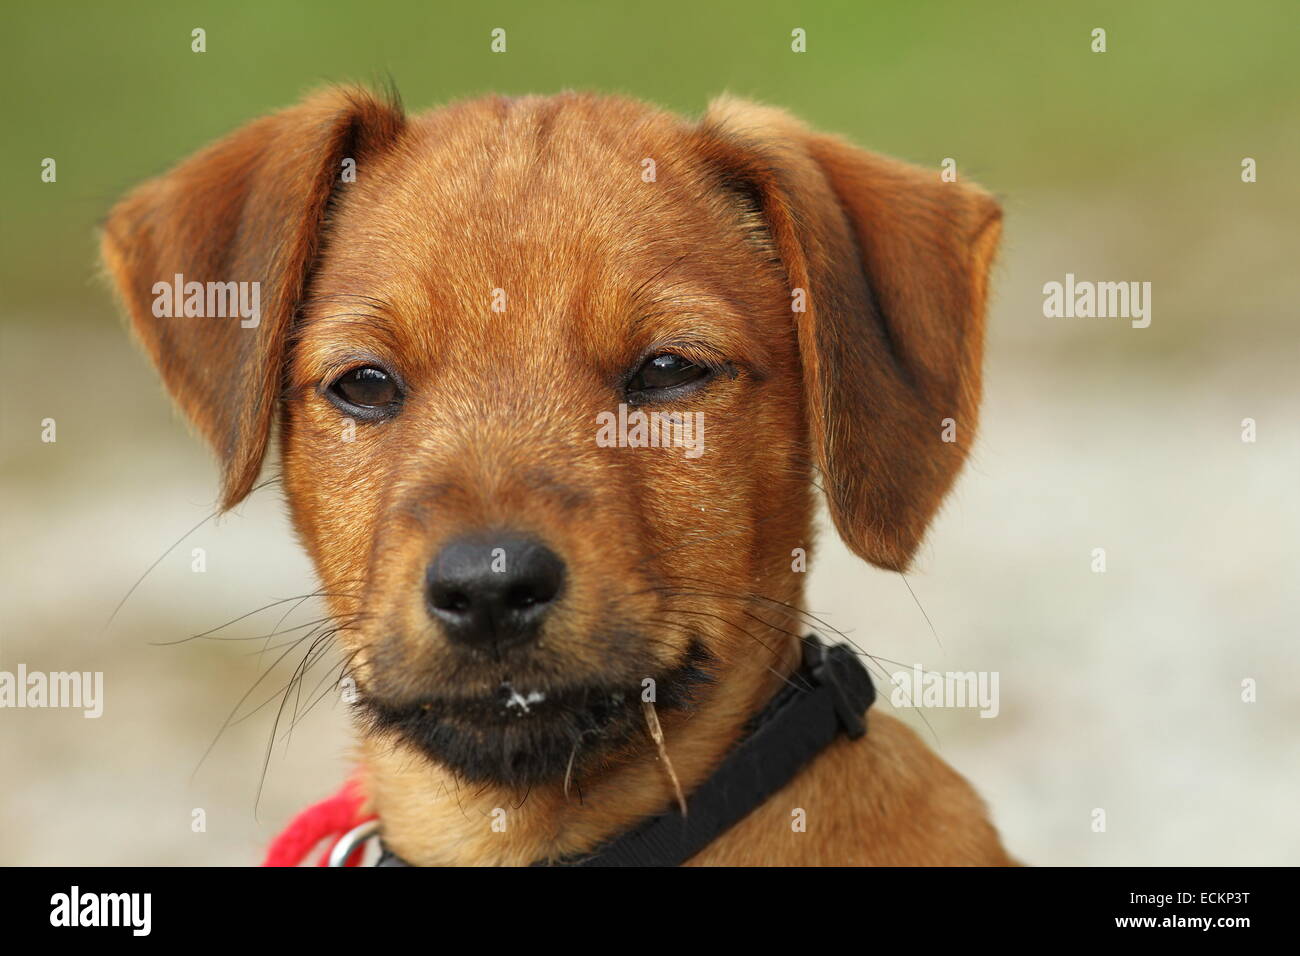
(484,741)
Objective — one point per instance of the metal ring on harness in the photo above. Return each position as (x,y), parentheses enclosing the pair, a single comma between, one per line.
(349,842)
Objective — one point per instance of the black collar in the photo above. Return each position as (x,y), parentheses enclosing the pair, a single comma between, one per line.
(829,693)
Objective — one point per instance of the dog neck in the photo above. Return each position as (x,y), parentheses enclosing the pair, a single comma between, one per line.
(431,817)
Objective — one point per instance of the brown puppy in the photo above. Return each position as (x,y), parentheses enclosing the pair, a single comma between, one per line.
(438,337)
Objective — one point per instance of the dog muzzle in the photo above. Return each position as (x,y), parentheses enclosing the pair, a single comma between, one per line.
(827,696)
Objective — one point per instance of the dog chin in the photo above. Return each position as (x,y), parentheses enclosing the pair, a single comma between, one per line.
(522,737)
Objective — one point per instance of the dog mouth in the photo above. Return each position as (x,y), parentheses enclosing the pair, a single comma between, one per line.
(511,703)
(523,735)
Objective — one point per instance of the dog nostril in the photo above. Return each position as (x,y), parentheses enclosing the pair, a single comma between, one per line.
(520,597)
(493,589)
(448,599)
(542,587)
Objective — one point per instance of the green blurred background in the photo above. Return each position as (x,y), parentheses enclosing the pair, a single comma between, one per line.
(1120,690)
(1011,89)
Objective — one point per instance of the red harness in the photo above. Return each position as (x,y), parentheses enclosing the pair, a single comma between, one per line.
(328,820)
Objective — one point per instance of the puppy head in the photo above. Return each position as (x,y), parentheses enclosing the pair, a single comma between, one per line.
(554,377)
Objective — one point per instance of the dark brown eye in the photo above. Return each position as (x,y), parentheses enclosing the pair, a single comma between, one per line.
(367,387)
(663,372)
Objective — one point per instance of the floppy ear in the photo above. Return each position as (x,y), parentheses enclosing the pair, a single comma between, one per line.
(893,264)
(248,209)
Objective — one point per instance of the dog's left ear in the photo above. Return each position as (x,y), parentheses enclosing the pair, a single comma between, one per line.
(888,268)
(246,214)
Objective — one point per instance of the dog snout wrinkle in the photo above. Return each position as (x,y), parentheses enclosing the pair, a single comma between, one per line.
(491,591)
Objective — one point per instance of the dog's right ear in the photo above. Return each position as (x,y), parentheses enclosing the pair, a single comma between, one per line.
(888,268)
(248,209)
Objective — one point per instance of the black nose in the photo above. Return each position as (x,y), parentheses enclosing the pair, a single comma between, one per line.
(492,590)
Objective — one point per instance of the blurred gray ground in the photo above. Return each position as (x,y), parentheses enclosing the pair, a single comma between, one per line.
(1119,691)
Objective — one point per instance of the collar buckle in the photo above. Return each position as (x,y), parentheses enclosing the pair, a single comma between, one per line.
(843,675)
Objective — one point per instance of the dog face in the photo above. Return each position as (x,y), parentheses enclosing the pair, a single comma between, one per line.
(519,580)
(554,378)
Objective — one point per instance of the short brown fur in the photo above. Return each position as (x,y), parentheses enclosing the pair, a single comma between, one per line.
(544,197)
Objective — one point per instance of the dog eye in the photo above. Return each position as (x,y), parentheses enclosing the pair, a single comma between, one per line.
(366,387)
(665,371)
